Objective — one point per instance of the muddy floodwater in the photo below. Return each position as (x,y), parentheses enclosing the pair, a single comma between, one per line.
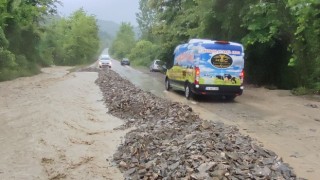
(54,125)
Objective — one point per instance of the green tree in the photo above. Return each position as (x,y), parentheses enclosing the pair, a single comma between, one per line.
(124,41)
(275,33)
(82,40)
(71,41)
(19,33)
(27,41)
(146,19)
(305,45)
(143,53)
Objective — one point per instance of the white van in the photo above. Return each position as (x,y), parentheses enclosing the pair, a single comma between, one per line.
(207,67)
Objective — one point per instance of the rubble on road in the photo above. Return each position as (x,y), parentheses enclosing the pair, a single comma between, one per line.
(170,141)
(89,69)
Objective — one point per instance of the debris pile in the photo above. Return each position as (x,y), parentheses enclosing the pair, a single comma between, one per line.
(89,69)
(170,141)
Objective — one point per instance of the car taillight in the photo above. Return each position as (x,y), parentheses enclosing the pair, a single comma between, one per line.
(197,70)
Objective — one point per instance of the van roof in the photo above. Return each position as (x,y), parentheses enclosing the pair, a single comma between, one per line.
(200,41)
(208,41)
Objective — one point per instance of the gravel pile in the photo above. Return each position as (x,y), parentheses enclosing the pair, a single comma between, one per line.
(170,141)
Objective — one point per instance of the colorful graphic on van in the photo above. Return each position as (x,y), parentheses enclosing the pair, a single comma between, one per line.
(227,71)
(185,58)
(221,61)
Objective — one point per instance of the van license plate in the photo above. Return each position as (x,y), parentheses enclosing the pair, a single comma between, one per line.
(212,88)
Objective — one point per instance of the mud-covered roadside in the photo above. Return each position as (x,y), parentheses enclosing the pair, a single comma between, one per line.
(171,141)
(54,126)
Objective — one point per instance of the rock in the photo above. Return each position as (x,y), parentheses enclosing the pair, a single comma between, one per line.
(205,167)
(223,155)
(218,173)
(122,164)
(174,166)
(205,124)
(189,136)
(312,105)
(130,171)
(170,141)
(233,156)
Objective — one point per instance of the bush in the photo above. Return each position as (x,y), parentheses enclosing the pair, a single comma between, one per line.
(22,68)
(316,89)
(300,91)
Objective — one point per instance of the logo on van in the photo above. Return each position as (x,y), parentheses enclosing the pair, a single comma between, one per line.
(221,61)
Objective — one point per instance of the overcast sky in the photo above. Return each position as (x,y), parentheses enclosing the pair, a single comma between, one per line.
(114,10)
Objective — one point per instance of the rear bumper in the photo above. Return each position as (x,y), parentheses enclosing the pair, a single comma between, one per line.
(219,90)
(105,65)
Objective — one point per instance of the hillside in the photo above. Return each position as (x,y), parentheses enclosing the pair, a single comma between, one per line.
(108,31)
(110,27)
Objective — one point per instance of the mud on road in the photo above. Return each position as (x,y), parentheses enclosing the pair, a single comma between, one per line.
(55,126)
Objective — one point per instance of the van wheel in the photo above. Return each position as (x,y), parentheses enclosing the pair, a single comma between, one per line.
(168,87)
(187,91)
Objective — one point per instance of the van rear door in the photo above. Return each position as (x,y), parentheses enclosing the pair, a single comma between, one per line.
(221,63)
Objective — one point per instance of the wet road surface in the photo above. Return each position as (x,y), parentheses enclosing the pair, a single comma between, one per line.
(140,79)
(281,122)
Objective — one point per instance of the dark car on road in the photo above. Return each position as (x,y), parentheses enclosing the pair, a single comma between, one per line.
(125,61)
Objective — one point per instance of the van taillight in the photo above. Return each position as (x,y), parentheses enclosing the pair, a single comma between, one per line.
(242,74)
(196,81)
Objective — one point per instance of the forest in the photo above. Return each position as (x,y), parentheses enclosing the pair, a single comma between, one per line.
(281,37)
(33,36)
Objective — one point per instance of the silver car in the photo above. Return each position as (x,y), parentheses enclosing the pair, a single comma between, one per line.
(105,61)
(156,65)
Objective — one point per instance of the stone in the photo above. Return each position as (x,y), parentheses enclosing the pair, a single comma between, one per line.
(205,124)
(168,140)
(205,167)
(122,164)
(130,171)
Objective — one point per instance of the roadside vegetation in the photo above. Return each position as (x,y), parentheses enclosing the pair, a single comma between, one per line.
(31,37)
(281,37)
(124,41)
